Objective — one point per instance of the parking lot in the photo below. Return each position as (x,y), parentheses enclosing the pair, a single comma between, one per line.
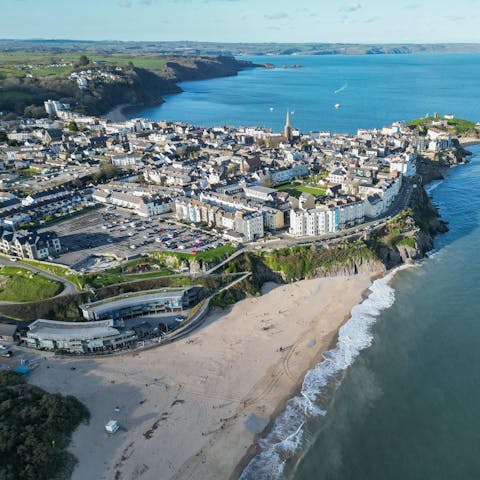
(118,233)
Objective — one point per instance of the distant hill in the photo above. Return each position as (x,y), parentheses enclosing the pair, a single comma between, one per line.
(218,48)
(95,82)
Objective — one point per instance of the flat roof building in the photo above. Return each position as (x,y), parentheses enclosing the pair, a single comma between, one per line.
(77,337)
(8,332)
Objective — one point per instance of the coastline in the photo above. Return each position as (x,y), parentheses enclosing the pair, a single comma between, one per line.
(469,141)
(262,339)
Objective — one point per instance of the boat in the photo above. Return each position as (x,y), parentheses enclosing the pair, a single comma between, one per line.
(272,109)
(337,105)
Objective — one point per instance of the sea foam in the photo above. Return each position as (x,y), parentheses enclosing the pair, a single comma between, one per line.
(285,437)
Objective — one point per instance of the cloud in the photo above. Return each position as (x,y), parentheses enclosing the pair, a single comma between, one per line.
(125,4)
(455,18)
(350,7)
(276,16)
(412,6)
(371,19)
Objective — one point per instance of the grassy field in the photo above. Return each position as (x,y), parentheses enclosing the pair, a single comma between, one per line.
(112,276)
(21,285)
(39,64)
(296,189)
(59,271)
(457,126)
(121,274)
(209,256)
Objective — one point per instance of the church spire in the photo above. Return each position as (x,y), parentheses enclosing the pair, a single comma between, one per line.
(288,128)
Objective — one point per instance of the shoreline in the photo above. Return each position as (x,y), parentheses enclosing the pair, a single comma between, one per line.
(282,405)
(296,390)
(469,141)
(234,375)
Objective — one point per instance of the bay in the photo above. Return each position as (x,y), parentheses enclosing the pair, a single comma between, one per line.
(372,90)
(407,407)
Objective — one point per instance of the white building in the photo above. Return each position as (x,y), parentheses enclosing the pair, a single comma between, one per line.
(249,224)
(326,218)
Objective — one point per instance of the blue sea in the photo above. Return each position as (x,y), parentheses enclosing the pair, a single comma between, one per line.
(398,398)
(372,90)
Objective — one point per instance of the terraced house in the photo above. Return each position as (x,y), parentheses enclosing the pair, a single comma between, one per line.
(32,245)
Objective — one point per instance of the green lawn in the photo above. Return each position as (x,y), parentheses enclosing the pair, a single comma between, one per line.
(17,64)
(104,279)
(100,279)
(21,285)
(458,125)
(59,271)
(208,256)
(296,189)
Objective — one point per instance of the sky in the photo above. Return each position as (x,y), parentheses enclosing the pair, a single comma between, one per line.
(329,21)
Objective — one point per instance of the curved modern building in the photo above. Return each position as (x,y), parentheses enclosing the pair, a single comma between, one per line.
(77,337)
(137,304)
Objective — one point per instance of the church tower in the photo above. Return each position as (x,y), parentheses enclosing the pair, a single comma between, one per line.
(288,128)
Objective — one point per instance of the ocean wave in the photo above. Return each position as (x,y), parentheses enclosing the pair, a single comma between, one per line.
(285,438)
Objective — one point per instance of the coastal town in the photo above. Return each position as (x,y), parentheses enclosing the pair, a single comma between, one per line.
(240,184)
(239,240)
(141,230)
(88,194)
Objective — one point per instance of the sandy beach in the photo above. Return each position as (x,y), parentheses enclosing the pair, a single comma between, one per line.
(468,141)
(194,408)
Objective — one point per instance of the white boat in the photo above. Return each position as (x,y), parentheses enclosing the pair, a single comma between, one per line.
(272,109)
(337,105)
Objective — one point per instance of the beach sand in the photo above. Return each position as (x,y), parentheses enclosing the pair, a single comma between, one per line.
(194,408)
(469,141)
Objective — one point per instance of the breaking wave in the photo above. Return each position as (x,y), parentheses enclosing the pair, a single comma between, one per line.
(284,440)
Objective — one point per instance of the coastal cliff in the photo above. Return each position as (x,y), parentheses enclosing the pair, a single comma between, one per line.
(114,84)
(147,88)
(404,239)
(433,166)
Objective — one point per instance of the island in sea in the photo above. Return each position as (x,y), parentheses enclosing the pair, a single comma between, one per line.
(180,281)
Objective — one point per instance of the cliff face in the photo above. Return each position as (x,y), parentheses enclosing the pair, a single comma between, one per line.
(137,86)
(433,167)
(406,238)
(206,67)
(145,87)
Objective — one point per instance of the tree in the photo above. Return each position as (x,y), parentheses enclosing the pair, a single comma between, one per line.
(82,61)
(72,126)
(35,429)
(105,172)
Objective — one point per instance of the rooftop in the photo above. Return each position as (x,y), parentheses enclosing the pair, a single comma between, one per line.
(55,330)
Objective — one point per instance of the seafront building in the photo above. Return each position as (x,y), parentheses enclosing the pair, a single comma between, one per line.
(149,302)
(75,337)
(224,178)
(107,327)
